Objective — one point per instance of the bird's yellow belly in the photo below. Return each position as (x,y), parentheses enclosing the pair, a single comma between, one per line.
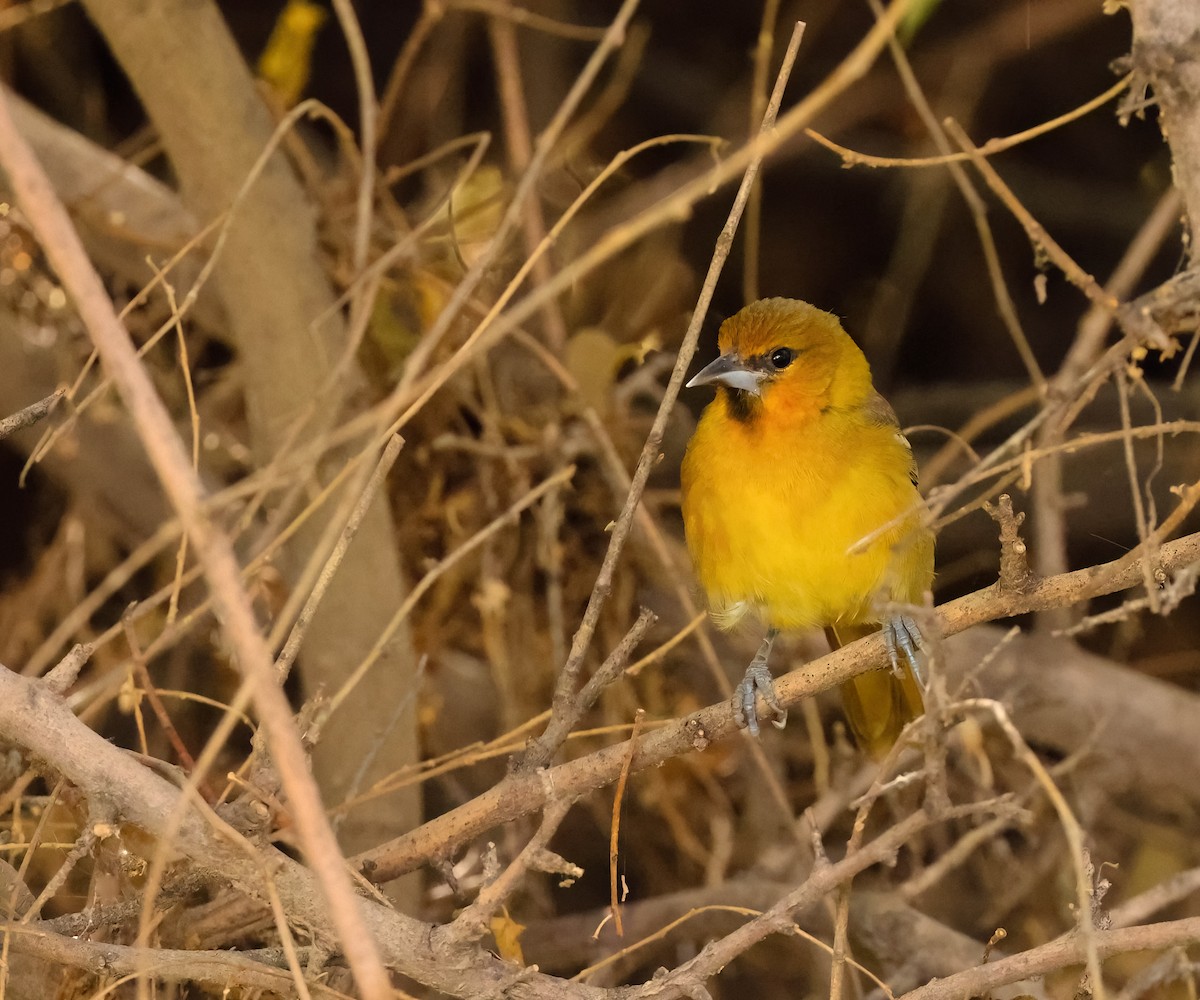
(795,543)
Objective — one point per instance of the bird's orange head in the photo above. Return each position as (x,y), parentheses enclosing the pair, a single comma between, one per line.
(784,357)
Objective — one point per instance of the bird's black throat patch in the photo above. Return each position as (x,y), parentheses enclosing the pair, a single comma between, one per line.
(742,405)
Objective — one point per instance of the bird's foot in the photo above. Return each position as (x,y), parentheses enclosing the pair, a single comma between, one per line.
(758,680)
(903,638)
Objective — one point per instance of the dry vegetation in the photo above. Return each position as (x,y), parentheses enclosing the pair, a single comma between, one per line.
(348,639)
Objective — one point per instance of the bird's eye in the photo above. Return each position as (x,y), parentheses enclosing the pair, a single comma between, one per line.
(781,357)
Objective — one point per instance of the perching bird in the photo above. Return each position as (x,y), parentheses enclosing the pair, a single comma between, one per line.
(801,509)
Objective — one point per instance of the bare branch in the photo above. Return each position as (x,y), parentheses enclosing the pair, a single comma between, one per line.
(30,415)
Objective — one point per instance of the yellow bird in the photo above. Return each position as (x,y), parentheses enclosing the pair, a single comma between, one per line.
(801,509)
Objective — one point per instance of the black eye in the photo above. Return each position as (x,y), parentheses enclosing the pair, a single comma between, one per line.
(781,357)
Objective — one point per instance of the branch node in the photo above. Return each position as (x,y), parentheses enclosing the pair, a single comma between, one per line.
(820,858)
(544,860)
(1015,575)
(66,671)
(491,864)
(445,869)
(1158,317)
(698,734)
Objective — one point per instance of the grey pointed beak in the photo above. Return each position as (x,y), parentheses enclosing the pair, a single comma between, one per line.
(729,369)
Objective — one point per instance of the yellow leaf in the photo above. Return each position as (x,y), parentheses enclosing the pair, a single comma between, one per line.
(286,62)
(476,207)
(914,19)
(507,933)
(403,310)
(593,357)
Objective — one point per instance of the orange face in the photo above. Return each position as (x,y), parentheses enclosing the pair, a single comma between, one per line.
(780,355)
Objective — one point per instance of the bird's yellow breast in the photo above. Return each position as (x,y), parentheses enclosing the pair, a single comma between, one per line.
(779,513)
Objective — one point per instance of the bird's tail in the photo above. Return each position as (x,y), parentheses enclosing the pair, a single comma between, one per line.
(878,703)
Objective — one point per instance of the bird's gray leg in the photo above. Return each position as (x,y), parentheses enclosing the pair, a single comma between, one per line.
(758,681)
(903,638)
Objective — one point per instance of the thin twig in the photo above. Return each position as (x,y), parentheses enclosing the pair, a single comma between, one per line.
(1058,954)
(854,158)
(530,19)
(839,954)
(287,656)
(1137,257)
(1036,232)
(473,922)
(187,762)
(30,415)
(221,226)
(432,13)
(763,49)
(614,835)
(1004,303)
(185,369)
(368,115)
(525,189)
(569,707)
(80,849)
(519,143)
(1140,520)
(824,879)
(1171,890)
(1085,917)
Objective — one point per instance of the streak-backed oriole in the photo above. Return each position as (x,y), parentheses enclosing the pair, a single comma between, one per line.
(801,509)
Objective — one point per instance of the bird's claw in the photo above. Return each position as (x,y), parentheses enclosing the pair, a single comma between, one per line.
(758,680)
(903,638)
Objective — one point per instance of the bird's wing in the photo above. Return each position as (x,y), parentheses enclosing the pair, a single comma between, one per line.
(880,413)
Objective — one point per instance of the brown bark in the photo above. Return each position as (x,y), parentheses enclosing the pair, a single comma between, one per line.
(1166,54)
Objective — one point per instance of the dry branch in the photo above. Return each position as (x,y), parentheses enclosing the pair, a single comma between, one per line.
(34,718)
(216,969)
(1057,955)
